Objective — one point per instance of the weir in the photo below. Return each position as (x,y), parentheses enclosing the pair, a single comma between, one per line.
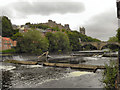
(75,66)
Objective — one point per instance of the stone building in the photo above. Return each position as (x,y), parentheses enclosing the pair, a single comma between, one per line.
(82,30)
(51,23)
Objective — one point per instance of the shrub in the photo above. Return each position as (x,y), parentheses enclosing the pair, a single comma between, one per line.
(110,74)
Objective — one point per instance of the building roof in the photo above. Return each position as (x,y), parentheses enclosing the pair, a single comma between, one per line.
(5,38)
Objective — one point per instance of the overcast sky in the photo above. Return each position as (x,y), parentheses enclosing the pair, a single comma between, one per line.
(97,16)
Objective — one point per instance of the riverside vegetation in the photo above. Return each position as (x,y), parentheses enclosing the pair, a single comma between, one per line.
(110,74)
(35,42)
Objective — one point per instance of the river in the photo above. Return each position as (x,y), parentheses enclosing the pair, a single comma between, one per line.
(38,76)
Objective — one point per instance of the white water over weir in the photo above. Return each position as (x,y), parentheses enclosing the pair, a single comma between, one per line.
(20,58)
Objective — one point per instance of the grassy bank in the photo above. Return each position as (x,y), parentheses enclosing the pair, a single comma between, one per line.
(8,51)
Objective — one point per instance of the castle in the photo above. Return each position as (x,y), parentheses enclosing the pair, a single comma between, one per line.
(50,23)
(54,24)
(82,30)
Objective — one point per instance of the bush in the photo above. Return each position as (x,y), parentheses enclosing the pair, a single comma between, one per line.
(110,74)
(58,42)
(32,42)
(9,51)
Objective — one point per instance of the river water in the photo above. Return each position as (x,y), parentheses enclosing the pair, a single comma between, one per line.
(37,76)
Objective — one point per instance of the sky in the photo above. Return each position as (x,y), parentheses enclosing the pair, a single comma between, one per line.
(99,17)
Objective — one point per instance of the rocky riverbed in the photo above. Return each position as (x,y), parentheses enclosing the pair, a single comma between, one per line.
(37,76)
(32,76)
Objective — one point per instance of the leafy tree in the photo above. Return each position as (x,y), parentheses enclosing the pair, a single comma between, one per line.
(52,42)
(28,23)
(89,47)
(112,47)
(113,39)
(109,75)
(16,36)
(58,41)
(74,41)
(75,36)
(55,28)
(41,26)
(32,42)
(7,30)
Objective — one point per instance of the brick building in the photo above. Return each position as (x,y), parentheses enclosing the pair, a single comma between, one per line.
(6,43)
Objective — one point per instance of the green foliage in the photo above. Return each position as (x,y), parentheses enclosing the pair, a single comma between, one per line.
(118,35)
(41,26)
(74,41)
(112,47)
(28,23)
(16,36)
(58,42)
(32,42)
(89,47)
(9,51)
(109,75)
(74,37)
(63,30)
(113,39)
(7,30)
(55,28)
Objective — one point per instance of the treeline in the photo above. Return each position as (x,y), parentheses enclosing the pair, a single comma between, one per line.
(7,29)
(34,41)
(114,39)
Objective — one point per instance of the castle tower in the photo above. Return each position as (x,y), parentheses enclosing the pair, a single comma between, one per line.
(67,27)
(82,30)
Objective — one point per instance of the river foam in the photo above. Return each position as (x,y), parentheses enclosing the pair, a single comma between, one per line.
(7,67)
(32,66)
(78,73)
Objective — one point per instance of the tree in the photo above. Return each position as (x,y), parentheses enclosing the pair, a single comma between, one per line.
(7,30)
(28,23)
(109,75)
(75,36)
(52,42)
(16,36)
(113,39)
(58,41)
(32,42)
(74,41)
